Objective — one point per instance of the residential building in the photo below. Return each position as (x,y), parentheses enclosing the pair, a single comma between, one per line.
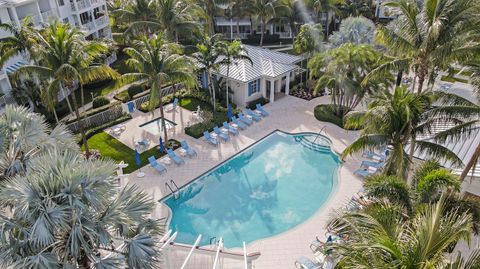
(268,75)
(89,15)
(384,13)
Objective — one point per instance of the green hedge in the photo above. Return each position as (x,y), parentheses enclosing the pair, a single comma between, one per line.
(99,102)
(196,130)
(325,113)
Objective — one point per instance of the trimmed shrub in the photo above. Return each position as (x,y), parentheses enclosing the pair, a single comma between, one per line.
(99,102)
(253,104)
(122,96)
(134,90)
(196,130)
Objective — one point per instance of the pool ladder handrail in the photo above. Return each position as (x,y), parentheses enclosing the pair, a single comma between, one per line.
(319,133)
(175,193)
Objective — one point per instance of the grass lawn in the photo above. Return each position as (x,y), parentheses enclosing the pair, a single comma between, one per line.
(453,79)
(192,104)
(110,147)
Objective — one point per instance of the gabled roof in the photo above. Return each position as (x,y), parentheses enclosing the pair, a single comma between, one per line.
(265,63)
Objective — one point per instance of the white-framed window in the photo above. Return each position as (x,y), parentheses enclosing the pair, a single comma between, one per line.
(253,87)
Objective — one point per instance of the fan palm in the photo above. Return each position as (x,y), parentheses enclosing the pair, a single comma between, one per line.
(357,30)
(69,212)
(233,52)
(429,35)
(380,236)
(208,56)
(26,90)
(158,63)
(263,11)
(341,70)
(25,135)
(397,119)
(65,59)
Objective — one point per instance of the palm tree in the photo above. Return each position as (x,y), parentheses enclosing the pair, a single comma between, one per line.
(429,35)
(290,12)
(397,119)
(21,39)
(211,9)
(233,52)
(158,63)
(327,6)
(357,30)
(357,8)
(26,90)
(380,236)
(5,53)
(26,135)
(208,56)
(65,59)
(69,212)
(342,70)
(264,11)
(128,12)
(174,17)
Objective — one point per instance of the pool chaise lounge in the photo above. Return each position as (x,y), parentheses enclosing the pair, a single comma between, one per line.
(262,110)
(364,173)
(305,263)
(188,149)
(240,124)
(253,115)
(174,157)
(373,155)
(377,165)
(245,119)
(229,128)
(209,138)
(153,162)
(220,133)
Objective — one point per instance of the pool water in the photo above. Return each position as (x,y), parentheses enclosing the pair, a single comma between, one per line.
(267,189)
(155,126)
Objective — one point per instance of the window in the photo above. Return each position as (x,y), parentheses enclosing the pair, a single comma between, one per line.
(253,87)
(61,3)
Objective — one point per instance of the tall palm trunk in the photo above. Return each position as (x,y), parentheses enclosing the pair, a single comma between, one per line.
(399,78)
(164,127)
(471,163)
(211,88)
(80,124)
(65,94)
(262,33)
(228,83)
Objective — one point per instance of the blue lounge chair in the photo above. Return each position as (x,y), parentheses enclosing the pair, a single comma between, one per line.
(220,134)
(377,165)
(262,110)
(229,128)
(253,115)
(363,173)
(245,119)
(372,155)
(306,263)
(188,149)
(209,138)
(240,124)
(172,106)
(174,157)
(153,162)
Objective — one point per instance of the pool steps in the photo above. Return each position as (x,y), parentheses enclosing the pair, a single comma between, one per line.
(317,146)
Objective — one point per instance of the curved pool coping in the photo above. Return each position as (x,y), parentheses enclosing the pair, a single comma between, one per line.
(333,190)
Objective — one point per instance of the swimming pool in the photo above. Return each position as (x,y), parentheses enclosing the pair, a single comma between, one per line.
(269,188)
(155,126)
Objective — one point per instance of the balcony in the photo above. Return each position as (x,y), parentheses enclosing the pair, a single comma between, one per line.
(101,21)
(49,14)
(82,4)
(96,2)
(89,26)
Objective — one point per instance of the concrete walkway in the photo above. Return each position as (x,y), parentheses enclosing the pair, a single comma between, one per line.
(288,114)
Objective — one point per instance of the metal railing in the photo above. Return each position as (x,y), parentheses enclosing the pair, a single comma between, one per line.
(98,119)
(90,26)
(318,134)
(165,91)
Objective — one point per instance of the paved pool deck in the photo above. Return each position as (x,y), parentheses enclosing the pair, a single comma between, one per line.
(289,114)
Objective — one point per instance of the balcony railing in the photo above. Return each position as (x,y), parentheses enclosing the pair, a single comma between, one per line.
(89,26)
(49,14)
(82,4)
(284,34)
(95,2)
(101,21)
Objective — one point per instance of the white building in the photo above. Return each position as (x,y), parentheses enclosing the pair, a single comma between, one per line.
(89,15)
(384,13)
(268,75)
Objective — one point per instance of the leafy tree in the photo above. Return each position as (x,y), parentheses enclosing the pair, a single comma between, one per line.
(158,63)
(309,39)
(357,30)
(357,8)
(210,10)
(25,135)
(342,70)
(127,12)
(208,56)
(400,118)
(264,11)
(20,40)
(65,58)
(26,90)
(429,36)
(69,212)
(330,7)
(291,13)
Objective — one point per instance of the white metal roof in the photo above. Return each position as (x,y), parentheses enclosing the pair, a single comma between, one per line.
(266,62)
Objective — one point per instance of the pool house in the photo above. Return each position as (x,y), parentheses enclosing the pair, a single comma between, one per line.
(268,75)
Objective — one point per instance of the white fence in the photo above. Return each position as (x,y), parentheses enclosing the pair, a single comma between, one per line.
(98,119)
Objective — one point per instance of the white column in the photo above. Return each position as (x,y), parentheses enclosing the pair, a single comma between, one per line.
(39,12)
(287,84)
(15,16)
(272,91)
